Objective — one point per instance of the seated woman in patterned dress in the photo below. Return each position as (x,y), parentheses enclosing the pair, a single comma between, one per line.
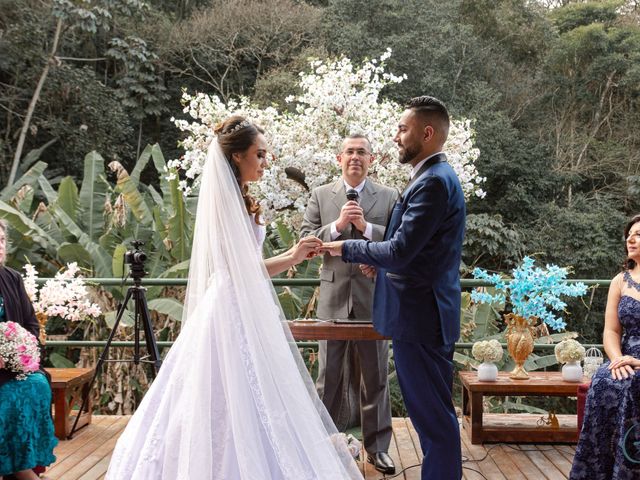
(609,444)
(26,427)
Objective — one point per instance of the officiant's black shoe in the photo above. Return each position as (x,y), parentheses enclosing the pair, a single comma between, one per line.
(382,462)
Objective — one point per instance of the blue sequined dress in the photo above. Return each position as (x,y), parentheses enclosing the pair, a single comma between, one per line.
(609,445)
(26,428)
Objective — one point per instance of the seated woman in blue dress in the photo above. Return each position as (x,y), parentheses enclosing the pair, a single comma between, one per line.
(26,427)
(609,444)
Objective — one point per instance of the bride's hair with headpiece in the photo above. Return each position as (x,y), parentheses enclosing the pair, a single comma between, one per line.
(235,135)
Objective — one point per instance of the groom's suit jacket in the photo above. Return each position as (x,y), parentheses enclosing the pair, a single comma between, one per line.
(343,288)
(417,293)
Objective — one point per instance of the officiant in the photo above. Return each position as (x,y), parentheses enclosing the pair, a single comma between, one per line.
(353,374)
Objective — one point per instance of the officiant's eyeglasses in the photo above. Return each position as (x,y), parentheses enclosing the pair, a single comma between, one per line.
(361,152)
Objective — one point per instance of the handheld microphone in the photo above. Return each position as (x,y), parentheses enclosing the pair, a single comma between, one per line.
(352,195)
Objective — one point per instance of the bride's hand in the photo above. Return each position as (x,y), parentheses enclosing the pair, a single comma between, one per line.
(306,248)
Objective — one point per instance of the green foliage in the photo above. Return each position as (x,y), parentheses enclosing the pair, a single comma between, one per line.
(140,88)
(574,15)
(90,228)
(492,242)
(84,115)
(591,227)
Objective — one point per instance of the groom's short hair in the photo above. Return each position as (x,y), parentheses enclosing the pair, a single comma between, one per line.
(431,111)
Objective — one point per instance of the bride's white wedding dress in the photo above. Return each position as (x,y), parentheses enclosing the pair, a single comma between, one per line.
(233,399)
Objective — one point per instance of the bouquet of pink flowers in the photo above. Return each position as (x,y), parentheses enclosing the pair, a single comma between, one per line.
(19,349)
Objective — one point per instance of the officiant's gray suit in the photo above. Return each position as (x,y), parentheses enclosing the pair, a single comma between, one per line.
(345,293)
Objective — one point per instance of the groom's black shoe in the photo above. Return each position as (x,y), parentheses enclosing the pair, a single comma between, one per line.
(382,462)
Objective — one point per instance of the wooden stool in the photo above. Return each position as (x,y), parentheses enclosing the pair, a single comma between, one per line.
(69,386)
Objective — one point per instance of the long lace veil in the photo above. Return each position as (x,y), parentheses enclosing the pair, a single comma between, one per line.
(258,361)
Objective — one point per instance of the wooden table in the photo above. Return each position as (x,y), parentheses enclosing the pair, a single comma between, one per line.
(69,386)
(328,330)
(480,427)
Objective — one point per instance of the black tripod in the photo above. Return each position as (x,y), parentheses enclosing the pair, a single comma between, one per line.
(141,318)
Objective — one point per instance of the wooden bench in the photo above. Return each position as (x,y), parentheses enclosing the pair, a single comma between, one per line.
(517,428)
(69,386)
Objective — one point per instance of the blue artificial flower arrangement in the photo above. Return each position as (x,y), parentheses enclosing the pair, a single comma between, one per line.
(533,292)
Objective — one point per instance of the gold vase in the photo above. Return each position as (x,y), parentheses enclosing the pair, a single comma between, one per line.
(520,334)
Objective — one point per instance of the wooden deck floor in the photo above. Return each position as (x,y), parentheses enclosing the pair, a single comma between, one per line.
(86,457)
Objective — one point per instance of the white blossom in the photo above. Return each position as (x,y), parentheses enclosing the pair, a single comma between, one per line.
(64,296)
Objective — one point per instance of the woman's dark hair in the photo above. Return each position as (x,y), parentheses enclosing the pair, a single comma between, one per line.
(629,263)
(235,135)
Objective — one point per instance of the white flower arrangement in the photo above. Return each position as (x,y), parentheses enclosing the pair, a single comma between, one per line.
(569,351)
(65,295)
(337,99)
(487,351)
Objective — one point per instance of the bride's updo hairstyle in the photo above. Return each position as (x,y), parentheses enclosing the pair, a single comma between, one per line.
(235,135)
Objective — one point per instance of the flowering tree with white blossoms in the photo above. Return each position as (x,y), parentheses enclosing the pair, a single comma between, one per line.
(337,100)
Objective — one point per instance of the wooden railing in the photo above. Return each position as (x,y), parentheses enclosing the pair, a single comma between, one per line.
(277,282)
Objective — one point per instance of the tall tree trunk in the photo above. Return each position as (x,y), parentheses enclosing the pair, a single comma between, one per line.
(32,104)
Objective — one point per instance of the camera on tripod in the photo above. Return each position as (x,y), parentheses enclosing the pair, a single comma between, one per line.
(135,258)
(141,320)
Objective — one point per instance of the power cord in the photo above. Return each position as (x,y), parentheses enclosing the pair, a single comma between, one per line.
(385,477)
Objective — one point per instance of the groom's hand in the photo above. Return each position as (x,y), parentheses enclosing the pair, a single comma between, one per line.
(368,270)
(332,248)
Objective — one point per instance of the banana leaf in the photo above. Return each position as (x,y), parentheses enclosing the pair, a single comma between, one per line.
(47,189)
(74,252)
(24,204)
(140,164)
(33,155)
(127,319)
(117,261)
(68,198)
(134,199)
(27,227)
(167,306)
(29,178)
(93,193)
(101,259)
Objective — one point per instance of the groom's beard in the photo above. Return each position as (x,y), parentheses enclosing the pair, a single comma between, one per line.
(408,154)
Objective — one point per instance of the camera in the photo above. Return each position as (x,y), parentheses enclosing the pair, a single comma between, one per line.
(135,256)
(135,259)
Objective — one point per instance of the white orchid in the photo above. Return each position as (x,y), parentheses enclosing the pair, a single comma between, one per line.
(337,99)
(65,296)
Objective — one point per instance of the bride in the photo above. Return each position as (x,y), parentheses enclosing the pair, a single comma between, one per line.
(233,399)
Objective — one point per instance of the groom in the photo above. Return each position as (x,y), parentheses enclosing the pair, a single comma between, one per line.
(417,293)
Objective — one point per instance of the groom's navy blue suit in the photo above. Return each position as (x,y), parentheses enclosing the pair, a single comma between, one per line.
(417,304)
